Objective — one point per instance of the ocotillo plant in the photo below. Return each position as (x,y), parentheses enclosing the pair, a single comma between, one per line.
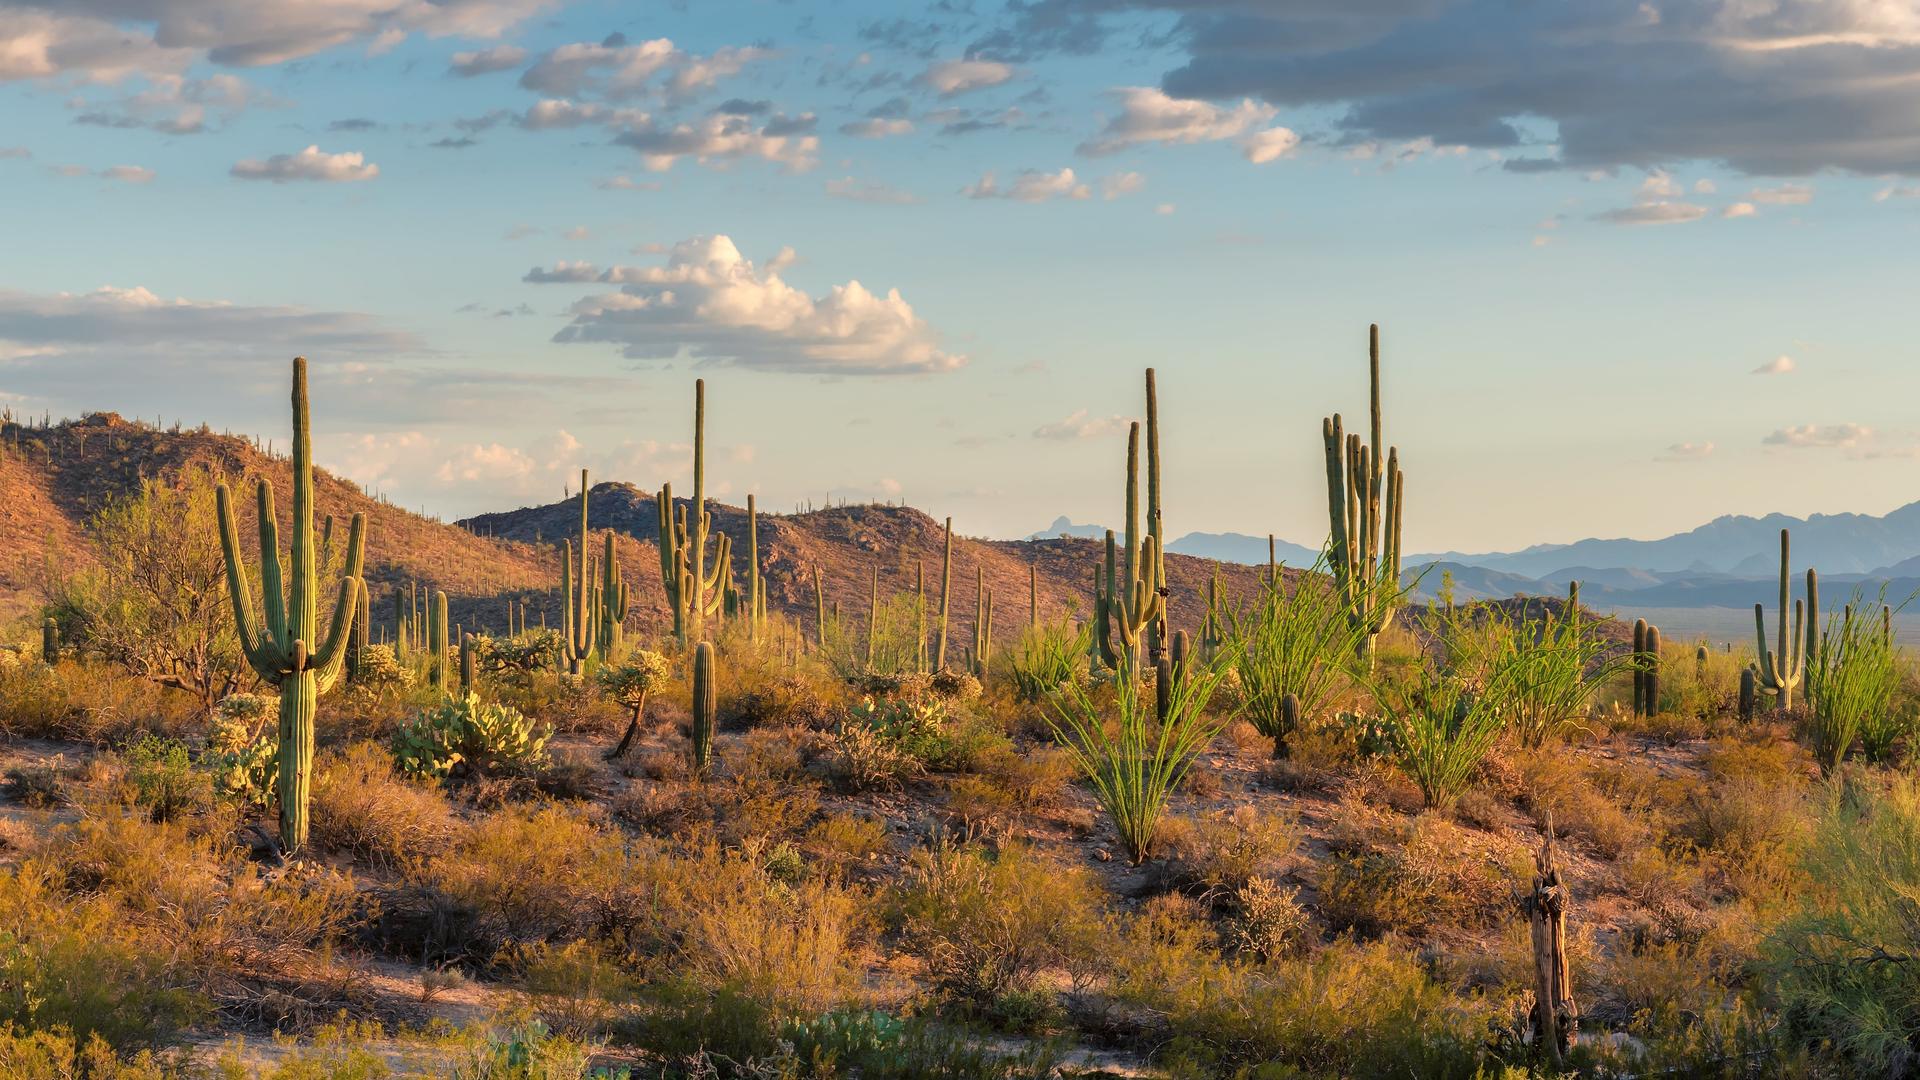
(693,590)
(946,596)
(705,698)
(281,649)
(1363,507)
(1131,601)
(1781,671)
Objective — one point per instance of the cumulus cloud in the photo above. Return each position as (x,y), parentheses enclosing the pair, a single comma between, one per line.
(128,174)
(1779,365)
(309,164)
(1687,451)
(1739,210)
(950,78)
(1658,212)
(1122,183)
(720,138)
(1031,186)
(1891,191)
(712,303)
(617,70)
(870,191)
(1780,88)
(1148,115)
(106,40)
(1820,436)
(1269,145)
(1079,425)
(1783,195)
(487,61)
(173,105)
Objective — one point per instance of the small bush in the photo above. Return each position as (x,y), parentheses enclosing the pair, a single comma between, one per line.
(1046,657)
(165,783)
(1227,850)
(361,808)
(469,737)
(1438,731)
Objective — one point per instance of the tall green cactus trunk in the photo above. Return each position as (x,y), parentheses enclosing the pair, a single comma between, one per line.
(280,647)
(946,597)
(1360,491)
(1782,670)
(705,699)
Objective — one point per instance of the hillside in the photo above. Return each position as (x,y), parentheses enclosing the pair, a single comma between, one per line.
(57,477)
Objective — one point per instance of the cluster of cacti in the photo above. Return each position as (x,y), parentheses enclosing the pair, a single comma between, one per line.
(1780,671)
(592,612)
(693,590)
(1364,498)
(1646,668)
(284,649)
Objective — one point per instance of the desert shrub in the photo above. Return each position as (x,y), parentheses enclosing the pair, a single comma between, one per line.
(630,682)
(1389,874)
(163,780)
(1547,673)
(1298,643)
(1751,816)
(1851,681)
(467,736)
(1045,657)
(956,685)
(1438,731)
(1228,849)
(574,988)
(86,702)
(26,1054)
(1554,788)
(781,700)
(988,927)
(361,808)
(879,743)
(892,645)
(1136,762)
(848,838)
(1268,920)
(1843,967)
(871,1043)
(41,786)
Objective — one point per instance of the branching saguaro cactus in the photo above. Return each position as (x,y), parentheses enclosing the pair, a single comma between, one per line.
(693,590)
(1781,670)
(1131,600)
(281,649)
(1363,508)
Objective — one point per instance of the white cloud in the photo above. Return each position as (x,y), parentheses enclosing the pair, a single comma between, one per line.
(1122,183)
(626,183)
(1164,209)
(1739,210)
(19,152)
(1031,186)
(1891,191)
(128,174)
(1783,195)
(877,127)
(1779,365)
(615,70)
(1269,145)
(1148,115)
(1808,436)
(309,164)
(1660,212)
(173,105)
(487,61)
(1703,186)
(720,138)
(716,305)
(1079,425)
(952,77)
(107,41)
(1687,451)
(871,191)
(561,113)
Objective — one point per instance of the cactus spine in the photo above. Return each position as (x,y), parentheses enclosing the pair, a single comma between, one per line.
(1131,601)
(281,648)
(1780,671)
(705,698)
(1363,508)
(946,597)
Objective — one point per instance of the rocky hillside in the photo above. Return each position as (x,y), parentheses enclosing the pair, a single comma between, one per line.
(52,480)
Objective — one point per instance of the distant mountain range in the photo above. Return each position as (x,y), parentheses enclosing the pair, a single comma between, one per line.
(1715,565)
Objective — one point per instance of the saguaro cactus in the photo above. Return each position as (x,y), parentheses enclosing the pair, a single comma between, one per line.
(1781,670)
(612,614)
(466,663)
(756,600)
(1363,508)
(705,698)
(1131,600)
(693,590)
(49,641)
(281,649)
(946,599)
(1749,691)
(357,637)
(576,596)
(1157,639)
(437,642)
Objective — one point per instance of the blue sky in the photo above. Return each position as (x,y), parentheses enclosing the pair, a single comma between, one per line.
(524,226)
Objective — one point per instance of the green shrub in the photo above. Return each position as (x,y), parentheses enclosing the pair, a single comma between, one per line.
(1438,732)
(1298,643)
(1845,969)
(1850,690)
(1046,657)
(26,1054)
(165,783)
(467,736)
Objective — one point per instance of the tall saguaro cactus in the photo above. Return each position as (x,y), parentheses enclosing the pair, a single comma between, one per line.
(1363,508)
(285,648)
(1131,600)
(693,591)
(1781,671)
(756,599)
(612,614)
(576,596)
(1157,639)
(946,596)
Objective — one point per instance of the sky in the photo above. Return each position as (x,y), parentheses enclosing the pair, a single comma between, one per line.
(1636,264)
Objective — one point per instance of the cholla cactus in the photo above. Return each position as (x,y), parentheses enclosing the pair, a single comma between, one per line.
(470,736)
(241,750)
(381,670)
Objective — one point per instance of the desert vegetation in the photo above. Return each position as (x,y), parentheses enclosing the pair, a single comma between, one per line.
(337,808)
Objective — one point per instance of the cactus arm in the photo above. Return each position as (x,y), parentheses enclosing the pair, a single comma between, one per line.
(273,600)
(1336,498)
(1768,677)
(260,655)
(333,647)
